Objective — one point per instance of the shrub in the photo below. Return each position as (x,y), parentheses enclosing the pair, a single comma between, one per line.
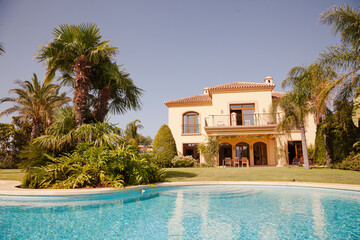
(352,162)
(92,166)
(181,161)
(164,146)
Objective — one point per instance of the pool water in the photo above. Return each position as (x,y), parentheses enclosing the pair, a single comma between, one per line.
(188,212)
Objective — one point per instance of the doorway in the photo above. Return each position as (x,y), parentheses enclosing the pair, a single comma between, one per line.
(225,150)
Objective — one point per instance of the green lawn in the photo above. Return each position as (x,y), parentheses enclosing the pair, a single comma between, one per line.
(240,174)
(11,174)
(324,175)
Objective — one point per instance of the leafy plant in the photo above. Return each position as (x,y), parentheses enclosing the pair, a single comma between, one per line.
(95,166)
(209,149)
(352,162)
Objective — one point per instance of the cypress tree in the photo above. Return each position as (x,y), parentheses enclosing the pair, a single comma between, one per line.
(164,146)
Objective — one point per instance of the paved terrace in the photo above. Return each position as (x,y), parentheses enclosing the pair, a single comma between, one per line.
(10,187)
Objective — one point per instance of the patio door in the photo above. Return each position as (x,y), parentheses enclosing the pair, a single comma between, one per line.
(225,150)
(242,150)
(260,154)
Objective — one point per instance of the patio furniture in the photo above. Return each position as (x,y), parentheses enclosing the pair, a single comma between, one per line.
(236,161)
(296,161)
(244,161)
(227,161)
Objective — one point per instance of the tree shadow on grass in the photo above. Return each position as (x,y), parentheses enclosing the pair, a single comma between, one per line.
(179,174)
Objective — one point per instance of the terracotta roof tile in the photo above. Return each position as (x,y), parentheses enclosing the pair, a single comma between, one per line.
(278,94)
(203,98)
(241,85)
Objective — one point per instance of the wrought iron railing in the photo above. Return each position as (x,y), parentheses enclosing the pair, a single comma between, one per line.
(256,119)
(190,128)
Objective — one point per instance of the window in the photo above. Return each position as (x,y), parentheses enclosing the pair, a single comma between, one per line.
(242,150)
(242,114)
(191,122)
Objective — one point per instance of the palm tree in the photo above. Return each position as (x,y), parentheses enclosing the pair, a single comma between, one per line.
(114,91)
(297,104)
(344,21)
(74,50)
(63,133)
(35,101)
(131,131)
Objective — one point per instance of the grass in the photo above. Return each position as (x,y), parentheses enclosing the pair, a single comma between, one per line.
(11,174)
(323,175)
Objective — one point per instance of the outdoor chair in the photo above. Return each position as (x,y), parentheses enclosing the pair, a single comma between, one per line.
(296,161)
(228,162)
(244,161)
(236,162)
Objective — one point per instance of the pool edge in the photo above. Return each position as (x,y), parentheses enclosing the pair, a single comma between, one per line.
(10,187)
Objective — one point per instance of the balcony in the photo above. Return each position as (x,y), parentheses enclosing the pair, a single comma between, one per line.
(241,124)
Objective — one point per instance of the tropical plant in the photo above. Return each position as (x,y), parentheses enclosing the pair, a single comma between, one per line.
(297,104)
(35,101)
(94,134)
(131,131)
(164,146)
(73,51)
(209,149)
(90,166)
(113,91)
(345,21)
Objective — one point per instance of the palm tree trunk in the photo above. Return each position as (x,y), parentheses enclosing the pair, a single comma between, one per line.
(327,151)
(101,104)
(81,90)
(304,147)
(35,130)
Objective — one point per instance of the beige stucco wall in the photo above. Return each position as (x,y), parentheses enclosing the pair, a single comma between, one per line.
(221,106)
(175,124)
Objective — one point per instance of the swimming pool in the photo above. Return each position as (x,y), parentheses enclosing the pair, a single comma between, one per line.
(186,212)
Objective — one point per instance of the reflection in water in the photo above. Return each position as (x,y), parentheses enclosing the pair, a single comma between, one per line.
(318,216)
(175,227)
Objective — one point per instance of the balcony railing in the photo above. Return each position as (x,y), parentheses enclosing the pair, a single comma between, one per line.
(233,120)
(191,128)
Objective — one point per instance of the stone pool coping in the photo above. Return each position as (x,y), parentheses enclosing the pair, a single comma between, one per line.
(10,187)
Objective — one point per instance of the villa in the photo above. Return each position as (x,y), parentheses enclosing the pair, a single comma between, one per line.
(238,115)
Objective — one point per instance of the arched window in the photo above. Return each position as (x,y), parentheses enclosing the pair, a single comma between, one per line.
(242,150)
(191,123)
(260,154)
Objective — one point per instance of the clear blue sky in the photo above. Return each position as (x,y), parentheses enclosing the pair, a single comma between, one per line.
(173,48)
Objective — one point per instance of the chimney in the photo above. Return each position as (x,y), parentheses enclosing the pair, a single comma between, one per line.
(268,80)
(206,91)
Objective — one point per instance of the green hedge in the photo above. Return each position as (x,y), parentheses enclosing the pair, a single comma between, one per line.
(164,146)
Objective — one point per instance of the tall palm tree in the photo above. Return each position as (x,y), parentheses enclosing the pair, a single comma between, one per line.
(35,101)
(131,131)
(113,91)
(297,104)
(344,21)
(74,50)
